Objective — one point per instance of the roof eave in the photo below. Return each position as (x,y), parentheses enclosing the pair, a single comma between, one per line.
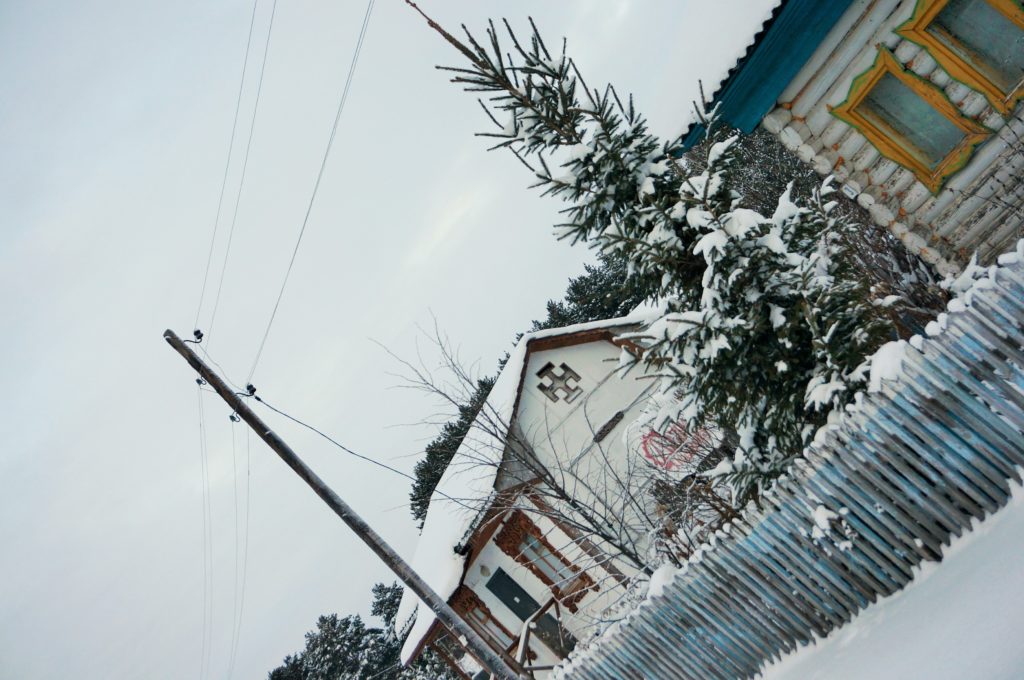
(776,54)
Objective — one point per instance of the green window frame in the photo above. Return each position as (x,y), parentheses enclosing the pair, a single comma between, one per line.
(978,42)
(910,121)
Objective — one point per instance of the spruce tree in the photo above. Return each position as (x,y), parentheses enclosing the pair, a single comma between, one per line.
(782,329)
(604,291)
(439,452)
(290,669)
(386,599)
(346,649)
(337,648)
(768,320)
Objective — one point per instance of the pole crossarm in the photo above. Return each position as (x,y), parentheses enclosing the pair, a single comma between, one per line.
(445,614)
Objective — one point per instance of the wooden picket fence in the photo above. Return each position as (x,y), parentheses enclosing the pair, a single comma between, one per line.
(896,481)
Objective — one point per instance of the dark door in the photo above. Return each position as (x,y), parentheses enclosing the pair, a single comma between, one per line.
(522,605)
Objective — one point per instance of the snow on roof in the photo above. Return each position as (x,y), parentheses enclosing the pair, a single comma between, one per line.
(469,479)
(721,53)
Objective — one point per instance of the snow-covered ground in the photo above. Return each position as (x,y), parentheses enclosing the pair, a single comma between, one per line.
(961,618)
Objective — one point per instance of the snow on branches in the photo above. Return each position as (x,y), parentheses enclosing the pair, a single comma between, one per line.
(776,332)
(769,320)
(586,146)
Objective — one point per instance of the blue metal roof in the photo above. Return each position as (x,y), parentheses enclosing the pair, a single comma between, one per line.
(783,47)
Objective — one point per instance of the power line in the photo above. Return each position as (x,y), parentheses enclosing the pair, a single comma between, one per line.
(245,166)
(227,164)
(251,392)
(202,654)
(334,441)
(245,552)
(392,667)
(220,368)
(234,604)
(358,455)
(316,185)
(241,539)
(308,427)
(207,543)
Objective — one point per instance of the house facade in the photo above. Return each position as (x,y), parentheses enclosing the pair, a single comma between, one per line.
(510,554)
(915,106)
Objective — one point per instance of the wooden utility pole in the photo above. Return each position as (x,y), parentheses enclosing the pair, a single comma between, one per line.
(452,621)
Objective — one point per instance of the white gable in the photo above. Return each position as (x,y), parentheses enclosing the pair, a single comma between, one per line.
(562,428)
(447,523)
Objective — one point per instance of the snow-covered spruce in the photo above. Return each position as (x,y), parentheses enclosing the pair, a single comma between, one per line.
(769,319)
(777,332)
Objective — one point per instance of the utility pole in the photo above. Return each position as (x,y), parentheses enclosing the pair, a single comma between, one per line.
(480,649)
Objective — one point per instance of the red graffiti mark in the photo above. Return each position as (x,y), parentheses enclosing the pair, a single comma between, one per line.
(674,448)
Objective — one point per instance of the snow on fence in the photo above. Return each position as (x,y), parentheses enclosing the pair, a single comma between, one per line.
(880,494)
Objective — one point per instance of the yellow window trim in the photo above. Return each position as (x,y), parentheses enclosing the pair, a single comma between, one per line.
(893,146)
(915,30)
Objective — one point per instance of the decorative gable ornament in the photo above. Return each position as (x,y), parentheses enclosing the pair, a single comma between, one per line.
(566,382)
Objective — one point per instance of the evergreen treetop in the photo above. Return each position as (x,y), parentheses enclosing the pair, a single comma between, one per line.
(346,649)
(439,452)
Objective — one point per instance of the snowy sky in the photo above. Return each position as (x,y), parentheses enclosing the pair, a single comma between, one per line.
(114,125)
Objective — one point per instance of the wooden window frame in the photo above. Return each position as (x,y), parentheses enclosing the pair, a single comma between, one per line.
(465,601)
(896,148)
(517,527)
(915,29)
(586,545)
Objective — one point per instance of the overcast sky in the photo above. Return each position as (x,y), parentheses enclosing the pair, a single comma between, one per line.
(114,126)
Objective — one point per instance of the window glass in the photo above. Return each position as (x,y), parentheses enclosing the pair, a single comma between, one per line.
(492,627)
(450,646)
(499,634)
(539,555)
(926,132)
(984,36)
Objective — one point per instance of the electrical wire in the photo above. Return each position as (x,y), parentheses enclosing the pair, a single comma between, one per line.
(334,441)
(245,166)
(315,430)
(245,551)
(227,164)
(209,548)
(236,624)
(316,184)
(202,654)
(324,436)
(357,455)
(207,644)
(234,604)
(392,667)
(220,368)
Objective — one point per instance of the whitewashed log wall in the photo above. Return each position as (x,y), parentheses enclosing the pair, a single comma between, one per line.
(981,207)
